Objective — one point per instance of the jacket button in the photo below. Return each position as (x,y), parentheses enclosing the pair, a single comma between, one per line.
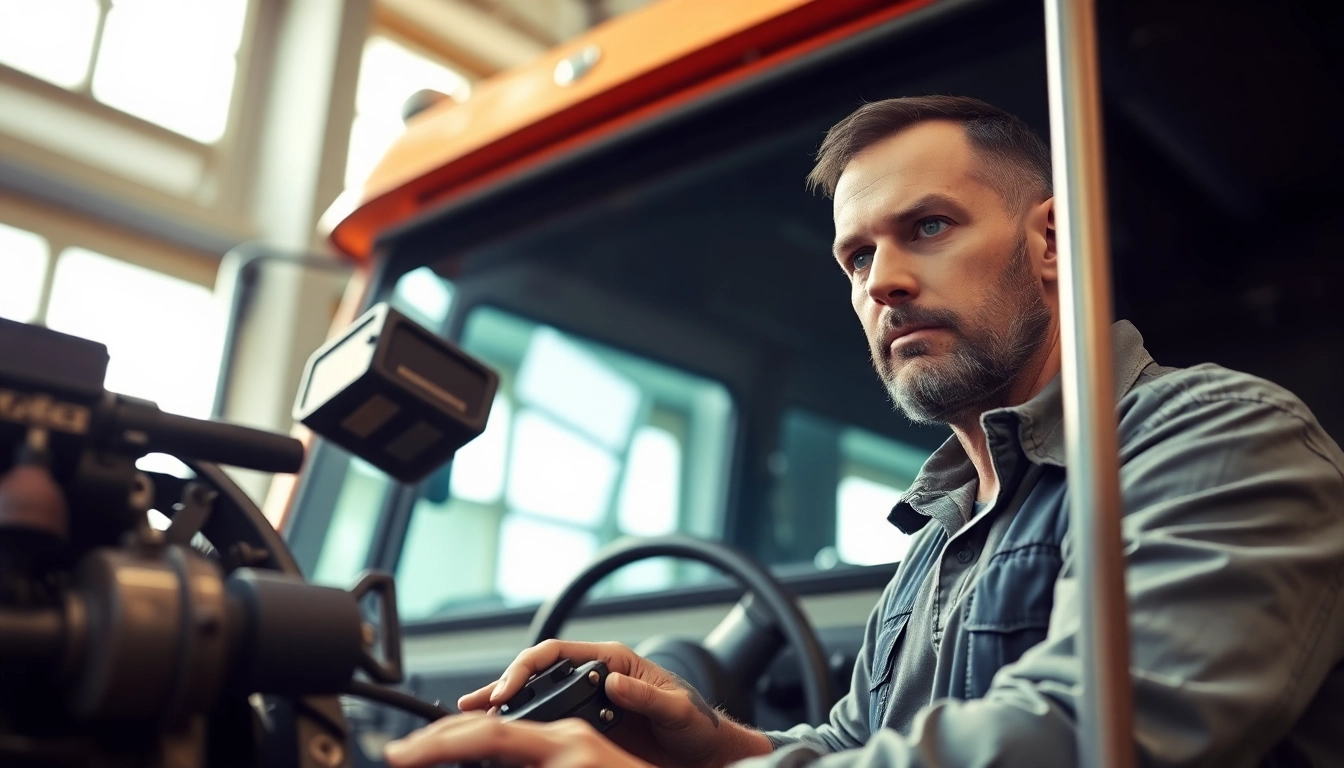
(965,555)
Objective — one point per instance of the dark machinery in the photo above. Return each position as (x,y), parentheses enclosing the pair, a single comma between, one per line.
(126,646)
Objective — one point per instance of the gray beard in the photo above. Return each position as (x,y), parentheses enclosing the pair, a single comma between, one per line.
(976,373)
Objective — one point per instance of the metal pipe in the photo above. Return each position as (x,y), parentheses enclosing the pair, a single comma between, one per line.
(237,270)
(1106,732)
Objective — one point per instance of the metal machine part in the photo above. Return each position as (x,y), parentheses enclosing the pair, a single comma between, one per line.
(196,646)
(151,634)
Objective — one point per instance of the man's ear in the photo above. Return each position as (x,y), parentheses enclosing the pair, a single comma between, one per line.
(1041,228)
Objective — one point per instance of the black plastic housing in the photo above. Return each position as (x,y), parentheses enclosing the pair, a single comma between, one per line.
(52,381)
(564,691)
(292,637)
(396,395)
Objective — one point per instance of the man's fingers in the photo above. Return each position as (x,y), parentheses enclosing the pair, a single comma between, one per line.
(617,657)
(473,737)
(443,723)
(477,699)
(563,744)
(528,663)
(667,708)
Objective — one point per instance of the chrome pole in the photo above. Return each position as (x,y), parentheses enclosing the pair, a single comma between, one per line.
(1106,732)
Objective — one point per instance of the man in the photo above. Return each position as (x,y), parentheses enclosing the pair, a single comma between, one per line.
(1233,496)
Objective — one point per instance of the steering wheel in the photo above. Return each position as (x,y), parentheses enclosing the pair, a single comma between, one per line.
(726,665)
(303,732)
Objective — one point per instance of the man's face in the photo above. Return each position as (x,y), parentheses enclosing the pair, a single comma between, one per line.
(942,278)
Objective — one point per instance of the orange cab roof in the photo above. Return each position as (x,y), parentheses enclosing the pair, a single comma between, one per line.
(646,62)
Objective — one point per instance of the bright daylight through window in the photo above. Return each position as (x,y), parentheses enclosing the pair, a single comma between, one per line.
(164,345)
(388,75)
(23,270)
(863,536)
(836,485)
(170,62)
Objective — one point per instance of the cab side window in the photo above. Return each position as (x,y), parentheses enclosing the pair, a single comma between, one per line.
(835,483)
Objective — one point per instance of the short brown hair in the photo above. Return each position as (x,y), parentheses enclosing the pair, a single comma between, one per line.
(1018,162)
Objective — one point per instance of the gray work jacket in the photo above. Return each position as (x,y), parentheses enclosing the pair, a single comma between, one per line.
(1234,545)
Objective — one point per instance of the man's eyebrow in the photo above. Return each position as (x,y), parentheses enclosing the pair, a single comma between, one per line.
(919,209)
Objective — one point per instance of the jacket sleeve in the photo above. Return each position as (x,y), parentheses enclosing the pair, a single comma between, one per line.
(1234,547)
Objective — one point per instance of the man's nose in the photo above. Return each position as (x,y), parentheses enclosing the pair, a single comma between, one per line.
(890,279)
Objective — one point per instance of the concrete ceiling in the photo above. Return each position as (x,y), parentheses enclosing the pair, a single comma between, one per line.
(485,36)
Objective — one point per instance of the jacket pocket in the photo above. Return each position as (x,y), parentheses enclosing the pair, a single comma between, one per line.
(889,640)
(1008,612)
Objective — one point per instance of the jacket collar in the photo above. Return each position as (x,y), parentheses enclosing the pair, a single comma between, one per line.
(946,483)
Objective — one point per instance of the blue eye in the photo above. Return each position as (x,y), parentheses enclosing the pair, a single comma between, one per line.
(861,261)
(930,227)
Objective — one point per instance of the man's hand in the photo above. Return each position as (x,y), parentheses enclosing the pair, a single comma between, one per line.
(667,722)
(475,736)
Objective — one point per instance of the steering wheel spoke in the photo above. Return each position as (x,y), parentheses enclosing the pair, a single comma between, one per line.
(746,640)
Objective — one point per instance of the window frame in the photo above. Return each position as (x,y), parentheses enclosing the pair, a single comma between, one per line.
(63,230)
(218,200)
(799,583)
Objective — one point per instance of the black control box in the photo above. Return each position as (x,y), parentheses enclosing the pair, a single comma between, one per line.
(396,395)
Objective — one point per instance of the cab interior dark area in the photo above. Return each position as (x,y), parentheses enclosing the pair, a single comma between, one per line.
(692,241)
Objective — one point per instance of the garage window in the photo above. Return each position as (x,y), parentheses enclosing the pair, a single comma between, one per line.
(171,63)
(162,333)
(23,262)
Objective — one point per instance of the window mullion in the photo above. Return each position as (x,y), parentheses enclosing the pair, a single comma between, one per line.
(86,85)
(56,246)
(232,162)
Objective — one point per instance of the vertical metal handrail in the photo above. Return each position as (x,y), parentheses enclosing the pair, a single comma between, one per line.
(1106,733)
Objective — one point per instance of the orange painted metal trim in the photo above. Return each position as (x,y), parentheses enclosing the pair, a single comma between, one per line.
(652,60)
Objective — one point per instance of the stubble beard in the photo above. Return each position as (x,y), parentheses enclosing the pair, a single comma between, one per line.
(985,360)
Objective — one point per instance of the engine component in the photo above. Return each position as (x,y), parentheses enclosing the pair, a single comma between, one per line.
(122,645)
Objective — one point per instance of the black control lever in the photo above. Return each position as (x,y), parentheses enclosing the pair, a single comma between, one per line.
(565,691)
(389,669)
(140,425)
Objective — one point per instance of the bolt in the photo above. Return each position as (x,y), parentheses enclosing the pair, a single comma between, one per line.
(326,751)
(607,715)
(594,677)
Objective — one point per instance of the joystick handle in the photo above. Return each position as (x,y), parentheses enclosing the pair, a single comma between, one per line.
(565,690)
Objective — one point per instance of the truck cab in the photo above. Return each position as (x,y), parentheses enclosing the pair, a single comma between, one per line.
(622,231)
